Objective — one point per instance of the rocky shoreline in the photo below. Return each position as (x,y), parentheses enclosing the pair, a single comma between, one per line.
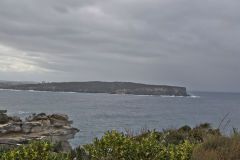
(55,127)
(103,87)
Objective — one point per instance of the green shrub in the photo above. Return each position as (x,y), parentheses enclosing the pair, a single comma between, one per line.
(185,128)
(171,144)
(174,137)
(36,150)
(4,148)
(204,126)
(78,154)
(119,146)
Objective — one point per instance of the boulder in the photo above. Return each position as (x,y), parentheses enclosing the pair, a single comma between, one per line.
(59,120)
(59,123)
(3,118)
(14,127)
(3,111)
(31,127)
(10,128)
(46,123)
(38,117)
(62,117)
(15,119)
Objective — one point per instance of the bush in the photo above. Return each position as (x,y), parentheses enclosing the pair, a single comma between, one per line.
(185,128)
(4,148)
(195,135)
(204,126)
(78,154)
(34,151)
(199,143)
(119,146)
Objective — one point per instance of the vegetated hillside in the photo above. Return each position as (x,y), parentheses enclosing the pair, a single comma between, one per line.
(104,87)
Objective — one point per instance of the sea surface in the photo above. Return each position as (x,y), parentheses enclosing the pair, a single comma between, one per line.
(94,114)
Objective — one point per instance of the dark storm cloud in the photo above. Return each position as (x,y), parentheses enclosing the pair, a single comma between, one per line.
(179,42)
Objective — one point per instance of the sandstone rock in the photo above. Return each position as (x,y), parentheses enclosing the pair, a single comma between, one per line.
(59,120)
(36,129)
(3,118)
(34,117)
(15,127)
(60,123)
(3,128)
(56,127)
(15,119)
(59,117)
(10,128)
(31,127)
(46,123)
(30,118)
(3,111)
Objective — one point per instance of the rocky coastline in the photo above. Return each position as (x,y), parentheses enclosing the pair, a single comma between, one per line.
(103,87)
(55,127)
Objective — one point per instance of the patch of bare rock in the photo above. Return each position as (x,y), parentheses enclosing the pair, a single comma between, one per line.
(56,128)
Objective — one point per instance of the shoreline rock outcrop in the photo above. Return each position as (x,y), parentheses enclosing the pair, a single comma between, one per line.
(56,128)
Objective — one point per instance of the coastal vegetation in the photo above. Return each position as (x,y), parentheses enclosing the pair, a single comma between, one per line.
(186,143)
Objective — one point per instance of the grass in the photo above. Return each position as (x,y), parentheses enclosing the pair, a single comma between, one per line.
(218,148)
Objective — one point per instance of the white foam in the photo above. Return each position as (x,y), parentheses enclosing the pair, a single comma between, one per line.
(13,90)
(23,112)
(140,95)
(163,96)
(172,96)
(193,96)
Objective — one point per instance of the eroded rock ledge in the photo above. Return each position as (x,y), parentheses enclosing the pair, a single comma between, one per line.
(56,127)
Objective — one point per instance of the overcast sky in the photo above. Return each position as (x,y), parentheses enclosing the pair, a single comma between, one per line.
(192,43)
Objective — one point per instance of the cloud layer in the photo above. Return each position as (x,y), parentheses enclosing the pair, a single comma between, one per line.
(176,42)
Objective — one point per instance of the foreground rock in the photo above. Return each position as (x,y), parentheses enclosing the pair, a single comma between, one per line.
(56,127)
(3,117)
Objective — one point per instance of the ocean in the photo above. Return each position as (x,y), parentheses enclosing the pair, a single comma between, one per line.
(94,114)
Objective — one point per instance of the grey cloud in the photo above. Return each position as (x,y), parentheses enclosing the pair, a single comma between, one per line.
(178,42)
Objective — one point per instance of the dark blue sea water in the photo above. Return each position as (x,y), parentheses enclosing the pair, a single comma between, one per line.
(95,114)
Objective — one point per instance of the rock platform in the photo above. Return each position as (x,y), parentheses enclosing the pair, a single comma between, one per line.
(55,127)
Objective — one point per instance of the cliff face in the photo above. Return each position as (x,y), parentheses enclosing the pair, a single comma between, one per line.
(105,87)
(56,127)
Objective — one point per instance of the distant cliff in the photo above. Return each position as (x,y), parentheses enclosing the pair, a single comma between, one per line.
(103,87)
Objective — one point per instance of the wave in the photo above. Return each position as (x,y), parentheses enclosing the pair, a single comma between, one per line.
(190,96)
(193,96)
(36,91)
(20,113)
(23,112)
(14,90)
(49,91)
(166,96)
(162,96)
